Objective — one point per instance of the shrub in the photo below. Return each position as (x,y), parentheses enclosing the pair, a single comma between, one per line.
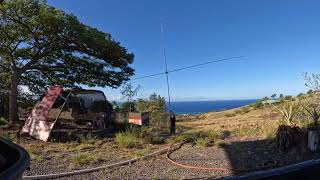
(182,137)
(35,153)
(288,98)
(83,159)
(3,121)
(88,139)
(245,110)
(289,112)
(214,135)
(11,136)
(202,141)
(222,144)
(230,115)
(152,139)
(127,139)
(237,111)
(257,105)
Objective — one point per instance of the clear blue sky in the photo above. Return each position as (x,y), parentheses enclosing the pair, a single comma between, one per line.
(281,40)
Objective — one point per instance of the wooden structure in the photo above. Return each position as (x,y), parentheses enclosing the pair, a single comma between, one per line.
(68,109)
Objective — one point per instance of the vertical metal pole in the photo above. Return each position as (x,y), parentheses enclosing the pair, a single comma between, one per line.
(166,66)
(171,114)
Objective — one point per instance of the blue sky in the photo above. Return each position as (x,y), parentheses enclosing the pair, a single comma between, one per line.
(281,40)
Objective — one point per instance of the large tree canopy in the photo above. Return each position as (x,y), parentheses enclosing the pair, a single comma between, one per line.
(41,45)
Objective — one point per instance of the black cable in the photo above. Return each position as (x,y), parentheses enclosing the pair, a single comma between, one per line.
(188,67)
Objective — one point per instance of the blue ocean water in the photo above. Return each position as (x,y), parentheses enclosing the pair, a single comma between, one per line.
(195,107)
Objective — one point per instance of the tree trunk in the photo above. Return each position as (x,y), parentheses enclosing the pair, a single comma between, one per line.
(13,99)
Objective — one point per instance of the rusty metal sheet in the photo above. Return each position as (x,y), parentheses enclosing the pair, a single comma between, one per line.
(37,124)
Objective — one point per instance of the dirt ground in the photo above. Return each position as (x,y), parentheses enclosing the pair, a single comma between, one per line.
(247,146)
(237,156)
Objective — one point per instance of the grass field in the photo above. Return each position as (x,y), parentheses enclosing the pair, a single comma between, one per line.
(259,123)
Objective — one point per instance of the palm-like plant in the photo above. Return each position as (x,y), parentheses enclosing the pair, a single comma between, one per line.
(313,111)
(289,111)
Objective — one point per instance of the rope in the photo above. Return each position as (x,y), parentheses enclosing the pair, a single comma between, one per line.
(83,171)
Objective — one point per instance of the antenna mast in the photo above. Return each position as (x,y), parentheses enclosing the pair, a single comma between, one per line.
(166,67)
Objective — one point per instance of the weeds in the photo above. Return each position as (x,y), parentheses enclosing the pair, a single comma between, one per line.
(230,114)
(3,121)
(202,141)
(271,131)
(127,139)
(35,153)
(214,135)
(83,159)
(11,136)
(88,139)
(289,111)
(222,144)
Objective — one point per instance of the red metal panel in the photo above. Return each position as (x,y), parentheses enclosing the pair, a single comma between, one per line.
(37,124)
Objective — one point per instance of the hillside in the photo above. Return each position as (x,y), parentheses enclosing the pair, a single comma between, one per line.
(241,122)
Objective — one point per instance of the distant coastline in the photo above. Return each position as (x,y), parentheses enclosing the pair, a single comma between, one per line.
(196,107)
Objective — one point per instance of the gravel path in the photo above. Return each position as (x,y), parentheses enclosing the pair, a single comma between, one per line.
(160,168)
(244,155)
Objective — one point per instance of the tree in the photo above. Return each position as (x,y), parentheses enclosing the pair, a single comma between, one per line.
(156,106)
(128,92)
(313,82)
(42,46)
(281,96)
(273,96)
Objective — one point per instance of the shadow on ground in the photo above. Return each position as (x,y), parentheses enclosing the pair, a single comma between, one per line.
(249,156)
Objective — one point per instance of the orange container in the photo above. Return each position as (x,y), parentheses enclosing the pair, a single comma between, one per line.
(139,118)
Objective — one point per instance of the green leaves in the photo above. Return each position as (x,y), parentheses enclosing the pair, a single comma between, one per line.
(47,46)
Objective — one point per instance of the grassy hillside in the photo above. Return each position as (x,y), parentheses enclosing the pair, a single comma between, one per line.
(251,123)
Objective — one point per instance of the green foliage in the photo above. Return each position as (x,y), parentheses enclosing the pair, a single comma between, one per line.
(35,153)
(3,121)
(245,109)
(230,114)
(309,91)
(214,135)
(288,98)
(33,30)
(257,105)
(289,112)
(222,144)
(83,159)
(242,110)
(200,138)
(10,135)
(88,139)
(156,106)
(128,106)
(202,141)
(311,112)
(127,139)
(128,91)
(41,45)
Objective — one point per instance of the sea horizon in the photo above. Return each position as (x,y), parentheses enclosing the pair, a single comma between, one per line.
(205,106)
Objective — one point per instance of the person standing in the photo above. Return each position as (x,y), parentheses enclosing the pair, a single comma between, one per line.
(172,123)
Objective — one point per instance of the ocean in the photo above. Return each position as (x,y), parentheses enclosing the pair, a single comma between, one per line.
(195,107)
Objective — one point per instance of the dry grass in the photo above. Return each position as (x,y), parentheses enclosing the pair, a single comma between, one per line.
(83,159)
(244,122)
